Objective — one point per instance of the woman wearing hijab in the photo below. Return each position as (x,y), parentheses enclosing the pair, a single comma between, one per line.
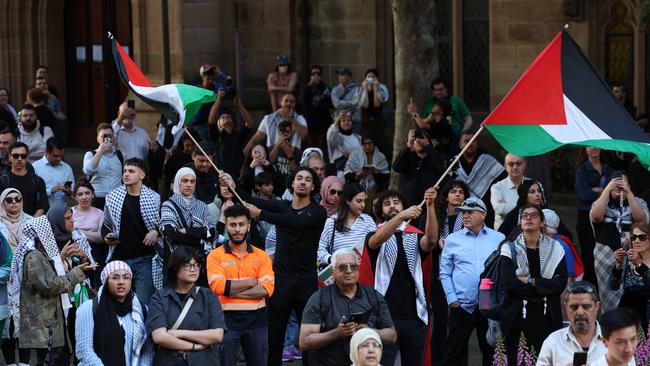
(40,287)
(110,329)
(12,216)
(365,348)
(185,220)
(331,191)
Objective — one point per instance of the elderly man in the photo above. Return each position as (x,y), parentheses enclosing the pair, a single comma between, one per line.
(461,264)
(130,139)
(504,192)
(335,312)
(582,335)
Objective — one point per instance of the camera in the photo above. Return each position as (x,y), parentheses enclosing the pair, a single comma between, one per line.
(371,80)
(226,84)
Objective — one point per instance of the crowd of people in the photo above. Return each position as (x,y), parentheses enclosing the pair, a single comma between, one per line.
(295,248)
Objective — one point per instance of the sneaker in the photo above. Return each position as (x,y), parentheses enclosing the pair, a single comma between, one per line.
(286,355)
(295,353)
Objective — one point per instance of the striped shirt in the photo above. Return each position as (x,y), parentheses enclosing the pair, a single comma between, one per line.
(329,244)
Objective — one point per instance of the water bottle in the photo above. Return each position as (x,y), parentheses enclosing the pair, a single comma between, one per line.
(486,295)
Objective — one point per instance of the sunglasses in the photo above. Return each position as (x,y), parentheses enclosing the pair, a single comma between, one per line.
(580,287)
(16,199)
(348,267)
(19,156)
(641,237)
(335,192)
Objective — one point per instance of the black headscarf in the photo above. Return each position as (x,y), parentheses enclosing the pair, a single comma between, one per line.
(108,334)
(56,217)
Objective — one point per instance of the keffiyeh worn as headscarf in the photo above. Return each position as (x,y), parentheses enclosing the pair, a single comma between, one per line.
(38,228)
(359,337)
(108,335)
(307,152)
(14,223)
(324,190)
(179,175)
(56,217)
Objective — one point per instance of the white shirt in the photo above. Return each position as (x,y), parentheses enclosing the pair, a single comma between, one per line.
(559,347)
(503,190)
(603,362)
(269,126)
(35,141)
(132,144)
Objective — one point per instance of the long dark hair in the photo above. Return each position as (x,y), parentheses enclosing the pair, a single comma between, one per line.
(522,191)
(441,204)
(350,190)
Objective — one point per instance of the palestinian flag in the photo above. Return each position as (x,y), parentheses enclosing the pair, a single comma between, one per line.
(561,100)
(177,102)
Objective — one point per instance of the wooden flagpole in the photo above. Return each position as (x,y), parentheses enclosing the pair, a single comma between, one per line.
(455,161)
(232,189)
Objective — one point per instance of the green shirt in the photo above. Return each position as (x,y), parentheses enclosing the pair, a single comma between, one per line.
(459,112)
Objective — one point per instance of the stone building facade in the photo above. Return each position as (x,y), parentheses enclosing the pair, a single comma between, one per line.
(484,46)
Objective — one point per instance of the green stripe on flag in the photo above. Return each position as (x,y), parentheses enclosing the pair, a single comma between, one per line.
(193,98)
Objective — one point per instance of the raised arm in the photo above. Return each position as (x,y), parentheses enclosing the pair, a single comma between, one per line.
(430,238)
(385,231)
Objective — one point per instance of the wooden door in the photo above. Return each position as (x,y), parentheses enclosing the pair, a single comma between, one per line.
(93,86)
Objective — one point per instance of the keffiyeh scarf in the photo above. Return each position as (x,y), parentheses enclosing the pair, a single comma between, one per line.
(458,225)
(358,159)
(483,173)
(621,216)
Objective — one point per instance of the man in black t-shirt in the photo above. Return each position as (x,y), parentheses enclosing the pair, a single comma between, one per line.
(400,262)
(299,223)
(131,220)
(31,186)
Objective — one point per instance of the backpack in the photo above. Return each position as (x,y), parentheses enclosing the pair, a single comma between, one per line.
(6,183)
(326,305)
(491,271)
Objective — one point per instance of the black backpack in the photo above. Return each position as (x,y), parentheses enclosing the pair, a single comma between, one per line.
(326,299)
(119,156)
(5,182)
(491,271)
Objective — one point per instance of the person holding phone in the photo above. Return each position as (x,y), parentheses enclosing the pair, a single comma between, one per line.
(103,166)
(612,215)
(56,173)
(335,312)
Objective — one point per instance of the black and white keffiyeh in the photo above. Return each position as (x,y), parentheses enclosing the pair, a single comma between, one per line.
(386,265)
(550,255)
(621,216)
(458,225)
(485,170)
(149,209)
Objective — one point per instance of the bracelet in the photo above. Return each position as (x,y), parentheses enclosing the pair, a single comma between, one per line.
(193,346)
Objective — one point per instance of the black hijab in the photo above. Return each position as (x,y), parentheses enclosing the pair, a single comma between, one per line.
(108,334)
(56,217)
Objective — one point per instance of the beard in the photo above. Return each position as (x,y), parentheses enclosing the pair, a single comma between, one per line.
(581,324)
(237,242)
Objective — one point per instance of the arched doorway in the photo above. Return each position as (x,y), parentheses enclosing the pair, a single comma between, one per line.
(93,88)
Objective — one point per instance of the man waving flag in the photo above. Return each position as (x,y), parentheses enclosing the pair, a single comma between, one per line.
(177,102)
(561,100)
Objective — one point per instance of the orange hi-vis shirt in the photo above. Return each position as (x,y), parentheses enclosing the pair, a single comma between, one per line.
(224,266)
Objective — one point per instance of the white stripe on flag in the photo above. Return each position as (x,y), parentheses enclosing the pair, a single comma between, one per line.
(578,128)
(167,93)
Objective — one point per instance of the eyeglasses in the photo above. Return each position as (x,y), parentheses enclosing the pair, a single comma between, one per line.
(375,345)
(529,215)
(515,163)
(126,277)
(19,156)
(641,237)
(580,287)
(316,73)
(335,192)
(192,266)
(16,199)
(352,267)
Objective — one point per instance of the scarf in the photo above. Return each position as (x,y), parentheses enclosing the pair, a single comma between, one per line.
(14,223)
(179,175)
(308,151)
(386,265)
(324,190)
(38,228)
(458,225)
(358,159)
(359,337)
(622,216)
(483,173)
(55,215)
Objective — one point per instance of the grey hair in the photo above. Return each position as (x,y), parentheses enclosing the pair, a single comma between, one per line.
(343,251)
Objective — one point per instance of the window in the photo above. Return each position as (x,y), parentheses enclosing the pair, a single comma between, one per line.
(619,49)
(476,66)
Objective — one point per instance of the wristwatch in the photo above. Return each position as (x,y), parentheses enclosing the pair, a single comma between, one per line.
(531,281)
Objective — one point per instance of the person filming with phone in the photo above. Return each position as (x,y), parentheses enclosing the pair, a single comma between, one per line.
(612,215)
(335,312)
(103,166)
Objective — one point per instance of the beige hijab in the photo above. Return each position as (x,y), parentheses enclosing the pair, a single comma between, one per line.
(14,223)
(359,337)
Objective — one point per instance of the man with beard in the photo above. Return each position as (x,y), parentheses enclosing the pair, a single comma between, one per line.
(298,223)
(396,262)
(32,133)
(461,264)
(582,335)
(207,182)
(242,276)
(6,139)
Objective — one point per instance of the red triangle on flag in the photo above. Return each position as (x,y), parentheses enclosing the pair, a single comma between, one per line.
(537,97)
(134,74)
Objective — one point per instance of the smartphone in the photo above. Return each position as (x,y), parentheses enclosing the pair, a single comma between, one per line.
(579,358)
(130,103)
(68,184)
(361,318)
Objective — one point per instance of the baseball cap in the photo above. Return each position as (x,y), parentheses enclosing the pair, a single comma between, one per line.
(206,67)
(281,60)
(344,70)
(472,204)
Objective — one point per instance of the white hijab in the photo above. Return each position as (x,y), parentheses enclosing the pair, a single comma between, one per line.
(359,337)
(177,179)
